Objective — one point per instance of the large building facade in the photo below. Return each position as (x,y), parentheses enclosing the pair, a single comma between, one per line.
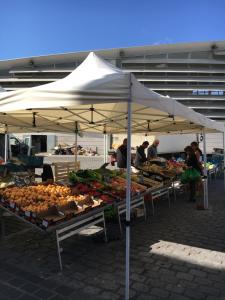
(192,73)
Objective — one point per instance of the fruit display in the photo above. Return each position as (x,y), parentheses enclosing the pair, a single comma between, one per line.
(209,166)
(150,183)
(170,169)
(47,204)
(152,168)
(175,167)
(117,187)
(50,203)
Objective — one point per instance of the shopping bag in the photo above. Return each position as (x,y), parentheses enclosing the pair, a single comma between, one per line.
(194,175)
(190,175)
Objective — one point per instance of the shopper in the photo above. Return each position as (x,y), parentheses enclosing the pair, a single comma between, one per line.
(121,155)
(152,150)
(140,157)
(198,154)
(192,163)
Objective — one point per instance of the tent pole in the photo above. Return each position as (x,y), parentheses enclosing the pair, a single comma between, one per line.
(105,144)
(105,148)
(128,198)
(224,158)
(75,148)
(206,204)
(6,143)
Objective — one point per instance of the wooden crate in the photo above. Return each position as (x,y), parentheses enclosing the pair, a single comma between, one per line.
(62,169)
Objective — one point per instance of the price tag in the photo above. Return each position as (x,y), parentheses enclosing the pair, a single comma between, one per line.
(2,200)
(34,215)
(12,204)
(45,223)
(27,214)
(17,209)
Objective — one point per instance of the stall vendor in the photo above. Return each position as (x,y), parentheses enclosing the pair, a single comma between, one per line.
(152,150)
(140,157)
(121,155)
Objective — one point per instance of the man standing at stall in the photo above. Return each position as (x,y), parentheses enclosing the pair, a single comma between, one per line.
(121,155)
(152,150)
(140,157)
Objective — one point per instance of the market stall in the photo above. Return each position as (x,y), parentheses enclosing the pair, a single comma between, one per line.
(100,98)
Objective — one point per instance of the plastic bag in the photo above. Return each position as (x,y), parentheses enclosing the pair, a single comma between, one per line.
(190,175)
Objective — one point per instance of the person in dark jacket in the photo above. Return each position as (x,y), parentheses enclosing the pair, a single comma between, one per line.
(198,153)
(121,155)
(140,157)
(192,163)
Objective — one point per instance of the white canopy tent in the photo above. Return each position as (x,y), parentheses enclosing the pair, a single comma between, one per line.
(100,98)
(96,95)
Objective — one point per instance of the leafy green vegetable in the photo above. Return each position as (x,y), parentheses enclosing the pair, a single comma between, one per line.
(84,176)
(74,178)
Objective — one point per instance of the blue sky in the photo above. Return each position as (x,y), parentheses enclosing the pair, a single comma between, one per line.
(40,27)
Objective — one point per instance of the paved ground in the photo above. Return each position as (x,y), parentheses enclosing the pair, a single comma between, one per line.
(179,254)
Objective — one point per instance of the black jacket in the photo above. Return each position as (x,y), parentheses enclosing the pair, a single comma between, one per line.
(192,161)
(140,156)
(122,156)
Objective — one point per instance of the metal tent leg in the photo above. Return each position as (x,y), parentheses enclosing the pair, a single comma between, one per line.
(206,204)
(128,197)
(224,158)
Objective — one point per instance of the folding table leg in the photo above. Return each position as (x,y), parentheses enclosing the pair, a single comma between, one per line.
(2,224)
(168,195)
(120,225)
(145,211)
(105,231)
(174,193)
(59,251)
(153,206)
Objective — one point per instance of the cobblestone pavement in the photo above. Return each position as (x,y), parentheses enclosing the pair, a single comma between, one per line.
(178,254)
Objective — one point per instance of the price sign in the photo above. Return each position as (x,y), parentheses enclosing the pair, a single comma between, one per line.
(12,204)
(27,214)
(45,223)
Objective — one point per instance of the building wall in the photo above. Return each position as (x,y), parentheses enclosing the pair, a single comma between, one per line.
(168,143)
(213,140)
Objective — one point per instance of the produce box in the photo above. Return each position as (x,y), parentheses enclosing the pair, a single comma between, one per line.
(49,217)
(69,209)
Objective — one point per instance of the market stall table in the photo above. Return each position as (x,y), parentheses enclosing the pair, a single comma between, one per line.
(135,202)
(67,228)
(158,193)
